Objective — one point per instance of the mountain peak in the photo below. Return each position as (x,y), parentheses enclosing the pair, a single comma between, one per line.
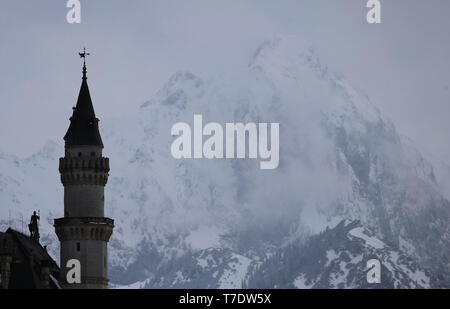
(179,88)
(285,52)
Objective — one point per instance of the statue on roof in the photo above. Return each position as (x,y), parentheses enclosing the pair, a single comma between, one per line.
(34,226)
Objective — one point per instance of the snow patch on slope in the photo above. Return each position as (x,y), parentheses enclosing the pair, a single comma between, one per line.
(370,241)
(235,273)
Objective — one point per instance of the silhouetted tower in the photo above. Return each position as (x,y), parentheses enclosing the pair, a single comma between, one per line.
(84,232)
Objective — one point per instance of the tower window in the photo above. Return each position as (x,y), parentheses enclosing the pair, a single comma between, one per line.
(79,154)
(78,247)
(93,154)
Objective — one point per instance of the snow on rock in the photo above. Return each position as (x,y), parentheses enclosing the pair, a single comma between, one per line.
(370,241)
(339,159)
(334,260)
(300,283)
(235,273)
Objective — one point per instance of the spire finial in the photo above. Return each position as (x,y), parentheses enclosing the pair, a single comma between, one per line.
(83,55)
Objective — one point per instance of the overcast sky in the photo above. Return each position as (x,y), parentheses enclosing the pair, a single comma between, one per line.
(402,64)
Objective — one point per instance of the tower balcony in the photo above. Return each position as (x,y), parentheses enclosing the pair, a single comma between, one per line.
(84,171)
(84,228)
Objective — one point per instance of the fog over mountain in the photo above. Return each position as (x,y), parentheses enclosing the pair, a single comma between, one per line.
(348,188)
(401,63)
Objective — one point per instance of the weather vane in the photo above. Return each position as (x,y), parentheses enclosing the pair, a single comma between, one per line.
(83,55)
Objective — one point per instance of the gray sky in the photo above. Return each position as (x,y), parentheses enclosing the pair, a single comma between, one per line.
(402,64)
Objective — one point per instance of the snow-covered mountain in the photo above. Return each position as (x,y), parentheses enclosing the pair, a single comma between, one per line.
(226,223)
(337,258)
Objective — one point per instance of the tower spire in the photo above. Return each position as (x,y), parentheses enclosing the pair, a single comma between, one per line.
(83,129)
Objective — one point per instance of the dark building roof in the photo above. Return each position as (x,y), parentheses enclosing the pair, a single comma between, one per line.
(28,260)
(83,129)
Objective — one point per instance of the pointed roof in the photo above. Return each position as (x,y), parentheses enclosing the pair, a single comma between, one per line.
(83,129)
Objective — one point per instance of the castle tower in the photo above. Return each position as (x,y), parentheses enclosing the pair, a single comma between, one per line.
(84,232)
